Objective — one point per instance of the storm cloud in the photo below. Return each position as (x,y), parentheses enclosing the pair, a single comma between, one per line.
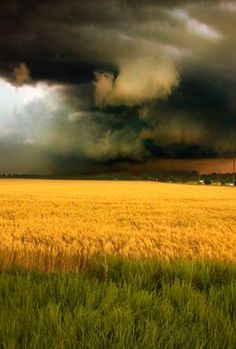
(123,81)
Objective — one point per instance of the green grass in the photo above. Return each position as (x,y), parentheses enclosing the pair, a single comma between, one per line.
(121,304)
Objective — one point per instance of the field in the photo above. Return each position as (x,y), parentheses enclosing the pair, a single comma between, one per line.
(51,225)
(182,305)
(111,264)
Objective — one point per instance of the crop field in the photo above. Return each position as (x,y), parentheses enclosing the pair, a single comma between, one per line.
(62,225)
(111,264)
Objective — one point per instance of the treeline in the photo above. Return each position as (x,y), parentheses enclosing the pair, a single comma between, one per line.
(161,176)
(189,176)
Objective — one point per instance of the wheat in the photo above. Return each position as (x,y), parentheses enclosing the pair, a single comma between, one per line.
(52,225)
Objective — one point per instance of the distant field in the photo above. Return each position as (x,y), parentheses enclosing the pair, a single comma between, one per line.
(52,225)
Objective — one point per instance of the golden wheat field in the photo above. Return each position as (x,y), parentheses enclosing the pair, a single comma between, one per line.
(62,224)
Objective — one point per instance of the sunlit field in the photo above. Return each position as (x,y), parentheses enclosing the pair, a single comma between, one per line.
(117,264)
(62,225)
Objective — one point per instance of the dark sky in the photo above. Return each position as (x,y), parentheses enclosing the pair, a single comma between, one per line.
(88,85)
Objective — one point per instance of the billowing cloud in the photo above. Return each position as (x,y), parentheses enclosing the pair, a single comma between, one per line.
(98,83)
(138,82)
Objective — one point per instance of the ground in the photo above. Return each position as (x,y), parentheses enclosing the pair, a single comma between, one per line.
(60,224)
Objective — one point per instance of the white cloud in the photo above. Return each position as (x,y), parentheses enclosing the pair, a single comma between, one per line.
(195,26)
(25,109)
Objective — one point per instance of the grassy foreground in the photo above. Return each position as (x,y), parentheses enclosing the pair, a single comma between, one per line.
(121,304)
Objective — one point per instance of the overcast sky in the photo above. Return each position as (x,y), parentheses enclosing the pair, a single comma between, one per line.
(92,85)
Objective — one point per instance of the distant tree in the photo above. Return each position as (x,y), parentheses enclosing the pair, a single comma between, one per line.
(207,181)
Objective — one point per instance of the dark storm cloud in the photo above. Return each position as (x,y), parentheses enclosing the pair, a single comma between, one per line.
(69,40)
(140,79)
(198,119)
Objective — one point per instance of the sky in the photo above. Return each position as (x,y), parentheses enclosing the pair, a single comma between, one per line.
(93,86)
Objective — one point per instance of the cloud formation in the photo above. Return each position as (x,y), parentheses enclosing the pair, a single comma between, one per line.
(138,82)
(20,74)
(133,81)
